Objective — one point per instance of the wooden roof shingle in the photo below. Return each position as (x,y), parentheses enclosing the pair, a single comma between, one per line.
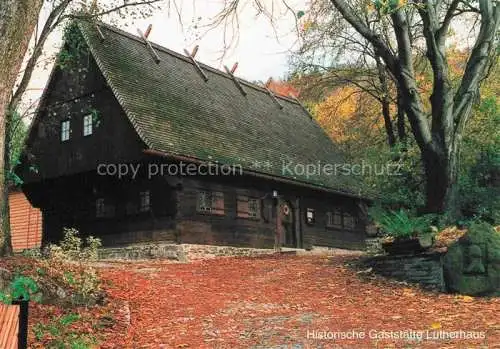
(176,112)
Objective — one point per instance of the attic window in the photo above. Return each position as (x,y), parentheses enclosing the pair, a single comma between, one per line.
(87,125)
(65,130)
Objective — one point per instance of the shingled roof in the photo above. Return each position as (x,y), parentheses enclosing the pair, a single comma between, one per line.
(177,113)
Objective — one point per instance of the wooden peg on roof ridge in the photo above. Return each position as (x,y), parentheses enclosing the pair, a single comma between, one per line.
(235,66)
(235,80)
(196,65)
(148,45)
(273,96)
(195,51)
(148,31)
(292,96)
(99,31)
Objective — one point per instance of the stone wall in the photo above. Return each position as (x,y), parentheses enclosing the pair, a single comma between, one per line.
(178,252)
(425,269)
(144,251)
(374,246)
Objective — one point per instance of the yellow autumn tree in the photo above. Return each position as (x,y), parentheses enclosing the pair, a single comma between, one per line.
(352,118)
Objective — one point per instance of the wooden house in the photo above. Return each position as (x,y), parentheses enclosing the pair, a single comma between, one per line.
(123,102)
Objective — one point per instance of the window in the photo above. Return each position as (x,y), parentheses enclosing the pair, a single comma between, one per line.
(103,209)
(247,207)
(87,125)
(65,130)
(99,207)
(253,208)
(349,221)
(310,216)
(144,201)
(334,218)
(210,202)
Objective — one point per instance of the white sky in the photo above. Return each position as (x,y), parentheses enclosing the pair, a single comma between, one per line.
(258,50)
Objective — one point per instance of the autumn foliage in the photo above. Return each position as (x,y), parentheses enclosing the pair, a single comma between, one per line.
(269,301)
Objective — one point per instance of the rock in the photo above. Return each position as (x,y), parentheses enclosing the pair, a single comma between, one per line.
(472,264)
(5,279)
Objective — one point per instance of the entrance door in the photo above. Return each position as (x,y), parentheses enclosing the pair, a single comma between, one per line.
(289,238)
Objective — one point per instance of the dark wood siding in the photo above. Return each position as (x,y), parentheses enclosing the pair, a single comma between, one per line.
(70,202)
(70,96)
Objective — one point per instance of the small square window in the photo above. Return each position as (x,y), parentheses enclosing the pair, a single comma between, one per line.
(65,130)
(87,125)
(310,216)
(144,201)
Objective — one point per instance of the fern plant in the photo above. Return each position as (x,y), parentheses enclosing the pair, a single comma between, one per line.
(401,224)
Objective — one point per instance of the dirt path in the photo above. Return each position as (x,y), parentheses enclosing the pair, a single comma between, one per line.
(271,302)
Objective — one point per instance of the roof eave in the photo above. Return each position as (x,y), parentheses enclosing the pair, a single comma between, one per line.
(258,174)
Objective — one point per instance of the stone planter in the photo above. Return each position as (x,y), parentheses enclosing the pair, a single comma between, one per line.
(408,245)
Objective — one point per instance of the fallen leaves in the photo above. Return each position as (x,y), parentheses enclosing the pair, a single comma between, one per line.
(261,302)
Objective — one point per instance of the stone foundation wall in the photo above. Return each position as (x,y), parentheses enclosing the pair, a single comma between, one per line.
(424,269)
(374,246)
(179,252)
(144,251)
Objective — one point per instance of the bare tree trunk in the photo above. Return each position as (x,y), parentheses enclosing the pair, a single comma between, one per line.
(17,21)
(401,122)
(386,112)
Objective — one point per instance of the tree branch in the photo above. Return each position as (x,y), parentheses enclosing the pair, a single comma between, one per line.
(379,45)
(37,52)
(477,64)
(443,30)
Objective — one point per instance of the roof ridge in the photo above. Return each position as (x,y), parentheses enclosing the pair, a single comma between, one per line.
(186,59)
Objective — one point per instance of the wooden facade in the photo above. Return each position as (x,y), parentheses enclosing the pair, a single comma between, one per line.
(66,168)
(25,222)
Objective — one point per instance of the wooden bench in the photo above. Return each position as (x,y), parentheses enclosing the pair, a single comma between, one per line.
(9,326)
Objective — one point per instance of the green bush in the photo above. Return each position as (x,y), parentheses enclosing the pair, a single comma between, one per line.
(60,333)
(21,288)
(72,248)
(82,278)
